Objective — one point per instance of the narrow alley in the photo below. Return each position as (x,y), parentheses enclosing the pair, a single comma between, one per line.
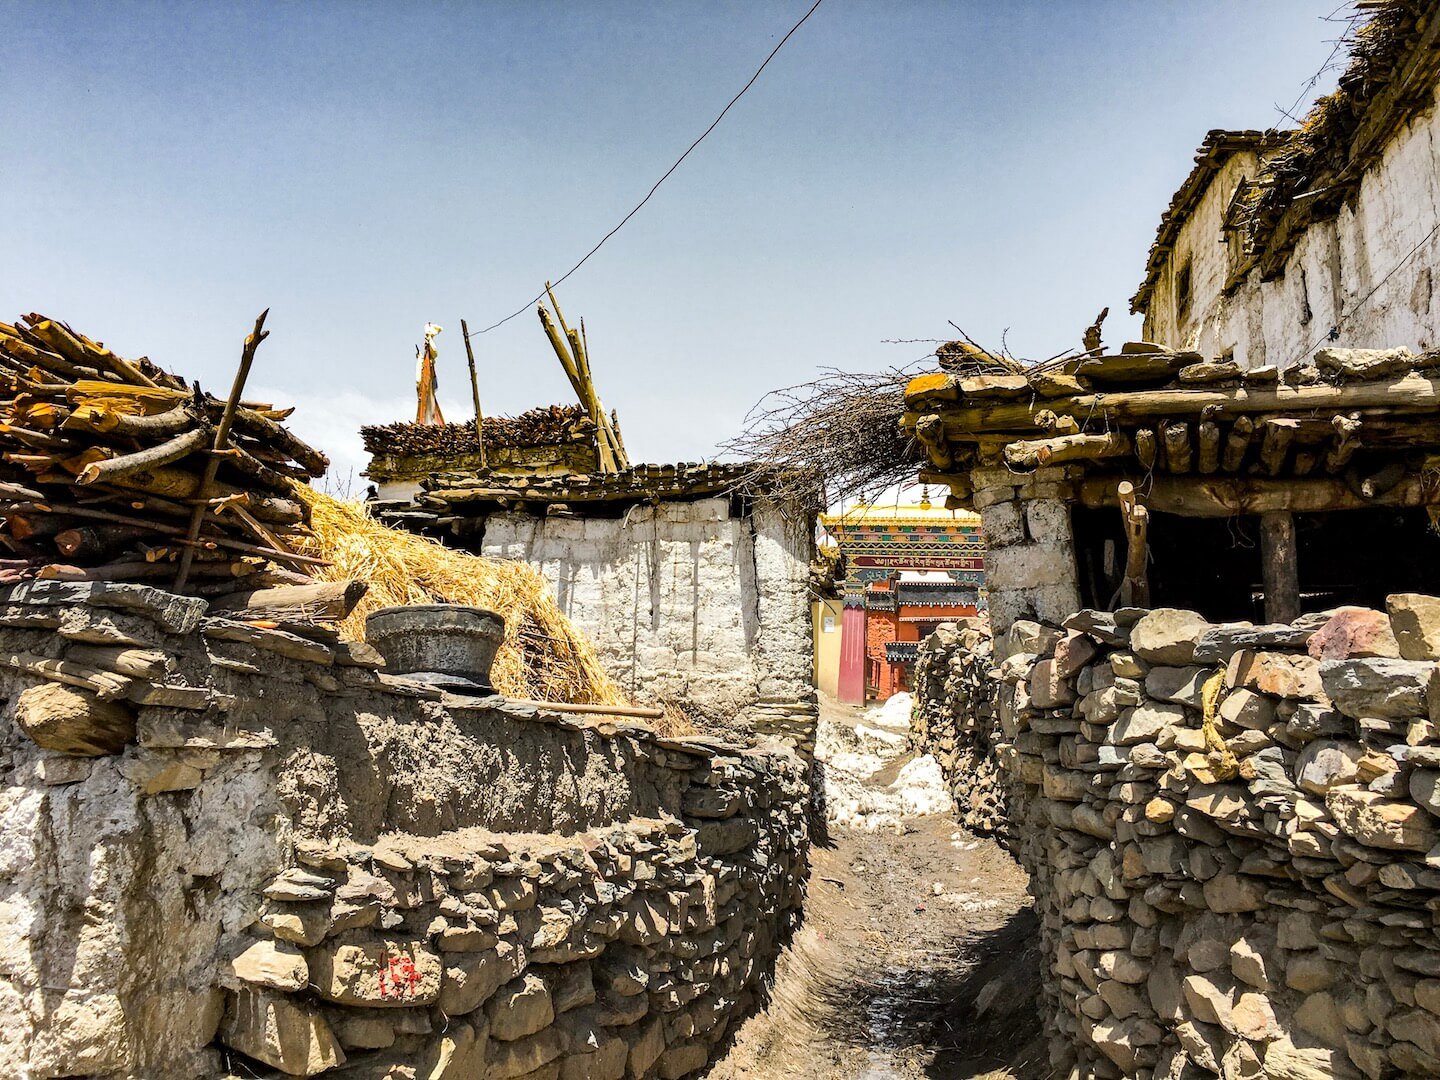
(917,957)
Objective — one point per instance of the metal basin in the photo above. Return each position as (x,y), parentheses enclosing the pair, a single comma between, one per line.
(437,639)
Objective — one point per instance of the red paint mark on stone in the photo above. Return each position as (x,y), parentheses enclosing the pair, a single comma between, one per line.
(398,978)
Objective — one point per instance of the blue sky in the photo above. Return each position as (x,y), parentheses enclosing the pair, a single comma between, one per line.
(363,168)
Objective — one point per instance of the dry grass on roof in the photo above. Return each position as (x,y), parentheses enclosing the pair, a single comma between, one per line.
(543,657)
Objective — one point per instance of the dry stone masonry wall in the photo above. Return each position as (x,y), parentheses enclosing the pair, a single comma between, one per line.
(1233,833)
(956,722)
(226,849)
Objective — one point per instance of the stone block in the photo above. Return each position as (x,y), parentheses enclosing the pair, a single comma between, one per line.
(280,1032)
(276,964)
(1024,566)
(1327,763)
(521,1007)
(1392,689)
(386,973)
(1381,823)
(1352,633)
(1415,620)
(1279,675)
(1167,636)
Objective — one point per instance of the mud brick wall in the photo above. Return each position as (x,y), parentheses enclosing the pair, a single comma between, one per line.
(285,861)
(1233,833)
(956,722)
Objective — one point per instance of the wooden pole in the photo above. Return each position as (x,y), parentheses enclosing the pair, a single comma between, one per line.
(1279,566)
(475,392)
(222,436)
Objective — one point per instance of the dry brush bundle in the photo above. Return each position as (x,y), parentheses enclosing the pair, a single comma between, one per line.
(114,470)
(839,433)
(543,656)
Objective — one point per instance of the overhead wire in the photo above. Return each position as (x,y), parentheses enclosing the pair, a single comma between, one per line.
(656,186)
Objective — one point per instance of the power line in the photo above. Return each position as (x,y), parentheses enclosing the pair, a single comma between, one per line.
(1334,332)
(714,124)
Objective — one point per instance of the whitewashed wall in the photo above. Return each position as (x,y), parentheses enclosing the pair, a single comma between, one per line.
(682,601)
(1332,269)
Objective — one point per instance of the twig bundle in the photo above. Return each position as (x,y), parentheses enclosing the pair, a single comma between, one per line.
(840,432)
(105,462)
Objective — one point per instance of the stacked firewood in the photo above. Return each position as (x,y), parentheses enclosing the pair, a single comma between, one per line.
(544,426)
(114,470)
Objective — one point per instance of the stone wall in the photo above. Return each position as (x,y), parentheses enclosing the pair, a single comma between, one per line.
(1233,835)
(295,861)
(687,603)
(1030,570)
(955,721)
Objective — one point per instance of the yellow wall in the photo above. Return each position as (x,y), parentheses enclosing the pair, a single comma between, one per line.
(826,613)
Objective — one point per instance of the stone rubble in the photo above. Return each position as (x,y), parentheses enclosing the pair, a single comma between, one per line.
(299,863)
(1232,831)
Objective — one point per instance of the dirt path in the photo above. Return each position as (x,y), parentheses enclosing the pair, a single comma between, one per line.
(916,958)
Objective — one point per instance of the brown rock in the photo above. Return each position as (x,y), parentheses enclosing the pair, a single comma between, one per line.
(276,1030)
(521,1007)
(1381,823)
(1277,674)
(276,964)
(72,721)
(1048,688)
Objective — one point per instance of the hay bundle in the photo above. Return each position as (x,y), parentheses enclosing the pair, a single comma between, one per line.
(543,657)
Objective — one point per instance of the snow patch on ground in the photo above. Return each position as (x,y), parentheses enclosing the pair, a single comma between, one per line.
(854,755)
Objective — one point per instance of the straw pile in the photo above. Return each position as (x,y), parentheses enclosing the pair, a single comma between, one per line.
(543,657)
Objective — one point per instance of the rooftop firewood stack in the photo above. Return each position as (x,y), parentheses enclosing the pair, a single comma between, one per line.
(1349,428)
(112,469)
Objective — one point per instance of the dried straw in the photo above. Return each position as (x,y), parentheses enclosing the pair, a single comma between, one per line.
(543,657)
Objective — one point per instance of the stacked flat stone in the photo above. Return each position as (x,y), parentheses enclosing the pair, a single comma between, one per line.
(1255,894)
(268,854)
(956,722)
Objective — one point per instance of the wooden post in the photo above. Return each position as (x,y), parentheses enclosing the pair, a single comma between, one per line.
(475,392)
(1135,589)
(1279,566)
(222,436)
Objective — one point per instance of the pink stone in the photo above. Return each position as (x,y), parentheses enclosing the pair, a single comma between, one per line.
(1352,633)
(1073,652)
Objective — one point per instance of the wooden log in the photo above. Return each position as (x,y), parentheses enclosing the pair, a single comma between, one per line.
(71,721)
(1305,461)
(1222,496)
(141,569)
(1412,393)
(1279,566)
(136,662)
(475,392)
(642,711)
(97,541)
(321,601)
(1347,431)
(268,431)
(151,457)
(1236,444)
(1034,453)
(1275,444)
(59,338)
(931,434)
(1135,587)
(1207,435)
(1176,436)
(1147,449)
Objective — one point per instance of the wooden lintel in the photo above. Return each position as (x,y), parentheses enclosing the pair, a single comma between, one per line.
(1194,496)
